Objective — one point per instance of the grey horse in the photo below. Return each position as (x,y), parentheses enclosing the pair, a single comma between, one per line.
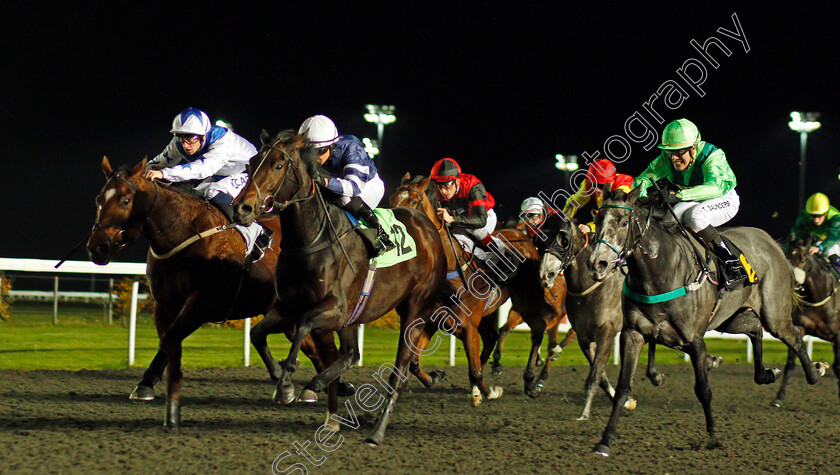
(670,300)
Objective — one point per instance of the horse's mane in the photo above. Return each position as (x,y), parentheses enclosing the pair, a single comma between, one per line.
(653,204)
(308,153)
(186,188)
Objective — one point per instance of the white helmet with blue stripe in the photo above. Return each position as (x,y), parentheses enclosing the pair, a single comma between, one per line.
(320,131)
(191,121)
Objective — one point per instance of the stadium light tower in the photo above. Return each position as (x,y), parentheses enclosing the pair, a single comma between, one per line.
(804,123)
(381,116)
(566,164)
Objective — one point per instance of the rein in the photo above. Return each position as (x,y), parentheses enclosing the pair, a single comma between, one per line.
(420,204)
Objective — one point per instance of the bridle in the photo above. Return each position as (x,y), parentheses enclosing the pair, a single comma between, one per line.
(268,203)
(419,205)
(628,247)
(101,226)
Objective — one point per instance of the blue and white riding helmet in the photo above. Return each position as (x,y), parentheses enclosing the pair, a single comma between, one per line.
(191,122)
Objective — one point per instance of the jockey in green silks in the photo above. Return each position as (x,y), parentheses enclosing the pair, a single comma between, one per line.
(706,195)
(820,221)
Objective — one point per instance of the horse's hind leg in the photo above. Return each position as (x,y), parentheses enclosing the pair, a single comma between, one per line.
(271,324)
(513,319)
(411,331)
(468,334)
(697,351)
(336,366)
(748,323)
(792,337)
(632,343)
(789,367)
(656,378)
(537,332)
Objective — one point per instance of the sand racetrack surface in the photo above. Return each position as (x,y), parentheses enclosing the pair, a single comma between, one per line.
(82,422)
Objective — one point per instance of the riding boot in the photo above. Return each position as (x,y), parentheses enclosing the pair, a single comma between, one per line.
(262,243)
(735,269)
(363,212)
(223,201)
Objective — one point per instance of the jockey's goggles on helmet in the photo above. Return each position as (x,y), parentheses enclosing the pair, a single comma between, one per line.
(533,214)
(444,184)
(187,138)
(324,150)
(678,153)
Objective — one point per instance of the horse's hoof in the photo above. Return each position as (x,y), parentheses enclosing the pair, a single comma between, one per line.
(554,352)
(331,423)
(173,416)
(142,393)
(602,450)
(346,389)
(475,396)
(541,383)
(540,362)
(657,379)
(821,367)
(497,370)
(583,417)
(495,392)
(776,403)
(284,395)
(307,396)
(714,362)
(372,443)
(630,404)
(437,376)
(534,393)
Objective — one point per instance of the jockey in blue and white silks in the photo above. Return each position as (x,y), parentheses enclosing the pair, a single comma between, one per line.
(215,155)
(354,178)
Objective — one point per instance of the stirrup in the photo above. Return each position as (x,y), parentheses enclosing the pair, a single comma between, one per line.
(385,241)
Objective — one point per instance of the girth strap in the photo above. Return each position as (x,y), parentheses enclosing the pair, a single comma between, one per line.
(192,239)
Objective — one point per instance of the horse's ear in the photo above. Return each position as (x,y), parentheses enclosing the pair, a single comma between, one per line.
(405,178)
(634,194)
(140,167)
(106,167)
(424,183)
(264,137)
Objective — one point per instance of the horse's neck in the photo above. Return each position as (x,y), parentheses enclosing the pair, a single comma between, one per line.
(303,222)
(820,281)
(661,262)
(174,217)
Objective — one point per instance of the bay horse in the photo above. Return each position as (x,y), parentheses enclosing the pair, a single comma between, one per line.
(539,308)
(320,274)
(818,314)
(202,283)
(669,299)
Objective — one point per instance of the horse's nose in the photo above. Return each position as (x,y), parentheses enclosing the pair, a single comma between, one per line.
(548,280)
(99,254)
(243,214)
(600,267)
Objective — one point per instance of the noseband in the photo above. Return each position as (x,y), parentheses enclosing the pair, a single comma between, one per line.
(268,203)
(628,248)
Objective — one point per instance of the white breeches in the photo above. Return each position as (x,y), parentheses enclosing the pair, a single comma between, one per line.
(698,215)
(371,193)
(231,185)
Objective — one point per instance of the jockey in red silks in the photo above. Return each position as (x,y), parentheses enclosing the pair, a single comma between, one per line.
(467,206)
(601,172)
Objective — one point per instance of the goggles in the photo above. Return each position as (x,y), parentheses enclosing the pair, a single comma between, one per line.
(188,138)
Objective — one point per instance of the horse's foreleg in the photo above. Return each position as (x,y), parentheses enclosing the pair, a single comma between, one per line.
(428,379)
(145,389)
(632,343)
(789,367)
(271,324)
(697,352)
(170,344)
(472,343)
(537,332)
(489,336)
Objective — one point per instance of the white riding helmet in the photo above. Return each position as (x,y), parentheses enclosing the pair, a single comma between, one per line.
(192,122)
(320,131)
(532,205)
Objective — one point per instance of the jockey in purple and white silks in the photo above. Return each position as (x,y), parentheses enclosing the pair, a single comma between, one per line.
(353,175)
(216,156)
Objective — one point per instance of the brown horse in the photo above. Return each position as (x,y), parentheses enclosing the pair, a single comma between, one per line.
(515,319)
(204,282)
(324,267)
(818,313)
(537,306)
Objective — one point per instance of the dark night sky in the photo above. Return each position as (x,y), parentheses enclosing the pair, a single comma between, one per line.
(499,88)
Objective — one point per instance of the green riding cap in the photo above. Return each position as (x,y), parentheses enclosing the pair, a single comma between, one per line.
(681,133)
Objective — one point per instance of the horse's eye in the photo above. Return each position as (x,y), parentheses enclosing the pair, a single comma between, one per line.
(126,201)
(278,166)
(624,224)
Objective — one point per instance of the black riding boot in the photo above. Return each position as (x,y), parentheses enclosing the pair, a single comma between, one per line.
(362,211)
(734,269)
(222,201)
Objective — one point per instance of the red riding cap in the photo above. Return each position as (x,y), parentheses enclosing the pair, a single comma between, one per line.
(445,170)
(601,171)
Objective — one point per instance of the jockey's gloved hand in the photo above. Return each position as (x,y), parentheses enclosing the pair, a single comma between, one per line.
(670,197)
(319,179)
